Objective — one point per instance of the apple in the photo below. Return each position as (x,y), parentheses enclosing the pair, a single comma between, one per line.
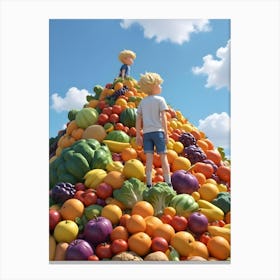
(184,182)
(66,231)
(54,218)
(179,223)
(89,197)
(198,222)
(159,244)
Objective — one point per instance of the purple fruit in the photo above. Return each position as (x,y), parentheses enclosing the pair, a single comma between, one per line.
(198,222)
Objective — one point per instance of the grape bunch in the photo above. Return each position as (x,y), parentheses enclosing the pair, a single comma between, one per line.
(62,191)
(119,92)
(194,154)
(187,139)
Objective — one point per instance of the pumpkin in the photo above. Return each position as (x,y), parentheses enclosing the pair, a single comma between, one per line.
(128,117)
(118,135)
(134,168)
(94,131)
(86,117)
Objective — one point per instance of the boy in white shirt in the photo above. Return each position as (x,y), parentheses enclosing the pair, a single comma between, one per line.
(151,117)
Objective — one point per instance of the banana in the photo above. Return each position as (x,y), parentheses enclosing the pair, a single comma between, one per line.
(115,146)
(219,231)
(114,166)
(211,211)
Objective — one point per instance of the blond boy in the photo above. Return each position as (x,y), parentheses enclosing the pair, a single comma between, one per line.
(151,117)
(127,57)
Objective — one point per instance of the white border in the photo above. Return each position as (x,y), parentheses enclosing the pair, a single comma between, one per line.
(254,130)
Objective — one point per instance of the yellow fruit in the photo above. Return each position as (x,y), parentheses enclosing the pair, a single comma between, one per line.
(208,191)
(134,168)
(178,147)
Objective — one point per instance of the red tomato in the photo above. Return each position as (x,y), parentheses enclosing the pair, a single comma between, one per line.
(103,250)
(179,223)
(93,258)
(104,190)
(132,131)
(102,104)
(204,237)
(119,126)
(102,118)
(116,109)
(159,244)
(218,223)
(79,195)
(166,219)
(114,118)
(118,246)
(107,110)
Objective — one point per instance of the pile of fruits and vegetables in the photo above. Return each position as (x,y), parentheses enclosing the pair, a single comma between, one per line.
(100,208)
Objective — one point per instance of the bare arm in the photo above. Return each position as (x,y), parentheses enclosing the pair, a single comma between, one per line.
(138,126)
(164,126)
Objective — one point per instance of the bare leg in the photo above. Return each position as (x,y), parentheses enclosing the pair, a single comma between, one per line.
(149,166)
(165,168)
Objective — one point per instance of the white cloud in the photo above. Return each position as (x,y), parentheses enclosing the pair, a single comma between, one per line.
(217,70)
(177,31)
(217,129)
(74,99)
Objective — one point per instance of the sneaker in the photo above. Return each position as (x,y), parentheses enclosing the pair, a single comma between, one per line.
(149,186)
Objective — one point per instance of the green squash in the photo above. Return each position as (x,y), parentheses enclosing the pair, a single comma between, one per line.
(184,204)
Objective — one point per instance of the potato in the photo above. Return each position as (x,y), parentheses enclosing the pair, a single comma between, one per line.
(156,256)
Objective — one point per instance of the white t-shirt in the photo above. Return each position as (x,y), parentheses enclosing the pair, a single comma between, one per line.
(150,108)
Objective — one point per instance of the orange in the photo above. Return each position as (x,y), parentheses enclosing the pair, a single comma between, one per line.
(181,242)
(218,247)
(200,177)
(169,210)
(202,144)
(118,86)
(152,223)
(143,208)
(115,179)
(71,209)
(199,249)
(208,191)
(136,223)
(164,230)
(140,243)
(119,232)
(128,153)
(209,143)
(112,212)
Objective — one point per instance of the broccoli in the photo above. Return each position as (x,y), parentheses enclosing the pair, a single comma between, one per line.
(130,192)
(159,196)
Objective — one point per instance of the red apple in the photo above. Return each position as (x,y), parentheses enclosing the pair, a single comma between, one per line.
(54,218)
(179,223)
(159,244)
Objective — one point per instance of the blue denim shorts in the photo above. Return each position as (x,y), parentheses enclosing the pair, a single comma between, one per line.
(152,140)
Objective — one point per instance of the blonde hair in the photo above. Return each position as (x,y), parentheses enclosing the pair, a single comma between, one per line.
(125,53)
(148,80)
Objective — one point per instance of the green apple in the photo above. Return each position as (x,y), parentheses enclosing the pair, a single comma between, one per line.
(66,231)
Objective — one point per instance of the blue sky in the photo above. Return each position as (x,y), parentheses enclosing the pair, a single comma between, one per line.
(192,56)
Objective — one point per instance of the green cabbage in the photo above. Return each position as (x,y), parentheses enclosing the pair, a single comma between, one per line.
(130,192)
(159,196)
